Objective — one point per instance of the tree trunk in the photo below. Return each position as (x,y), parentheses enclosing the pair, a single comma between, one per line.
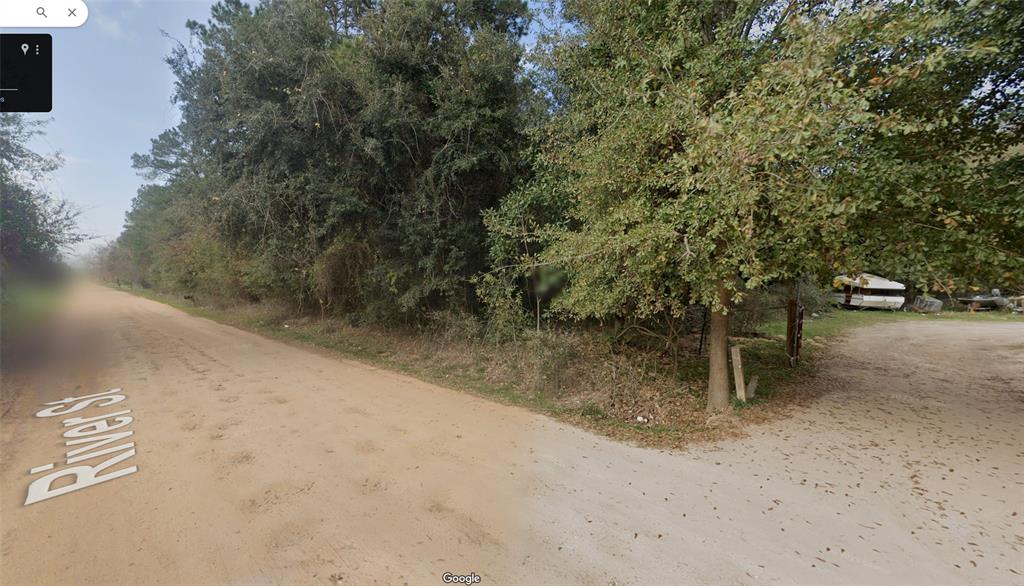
(718,353)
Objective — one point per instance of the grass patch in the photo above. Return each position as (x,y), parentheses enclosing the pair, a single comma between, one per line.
(832,323)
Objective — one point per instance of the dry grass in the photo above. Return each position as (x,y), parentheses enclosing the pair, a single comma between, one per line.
(580,377)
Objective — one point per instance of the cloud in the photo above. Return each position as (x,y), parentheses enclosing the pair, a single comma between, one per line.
(73,160)
(112,17)
(109,25)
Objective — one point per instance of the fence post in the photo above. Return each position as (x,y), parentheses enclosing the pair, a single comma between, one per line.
(794,330)
(737,374)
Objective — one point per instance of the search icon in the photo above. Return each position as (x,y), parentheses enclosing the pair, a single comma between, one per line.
(40,14)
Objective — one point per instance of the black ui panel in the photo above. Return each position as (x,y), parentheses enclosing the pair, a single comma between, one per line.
(26,73)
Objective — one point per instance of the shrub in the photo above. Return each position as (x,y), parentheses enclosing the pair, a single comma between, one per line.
(339,275)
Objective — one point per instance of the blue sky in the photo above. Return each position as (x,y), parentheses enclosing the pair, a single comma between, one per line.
(111,95)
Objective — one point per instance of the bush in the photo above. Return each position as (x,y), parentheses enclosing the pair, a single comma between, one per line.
(450,326)
(339,275)
(553,353)
(506,319)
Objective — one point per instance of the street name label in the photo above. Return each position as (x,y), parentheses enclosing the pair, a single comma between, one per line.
(88,438)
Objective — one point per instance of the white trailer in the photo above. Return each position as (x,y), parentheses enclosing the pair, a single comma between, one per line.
(865,290)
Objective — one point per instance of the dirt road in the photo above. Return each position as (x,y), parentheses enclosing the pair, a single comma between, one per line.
(264,463)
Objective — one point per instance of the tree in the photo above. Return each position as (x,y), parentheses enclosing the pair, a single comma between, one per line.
(35,228)
(443,128)
(319,131)
(708,149)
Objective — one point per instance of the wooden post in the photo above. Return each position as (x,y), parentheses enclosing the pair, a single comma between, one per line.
(794,330)
(744,391)
(737,374)
(718,351)
(703,332)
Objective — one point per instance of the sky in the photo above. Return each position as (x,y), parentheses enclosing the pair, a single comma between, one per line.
(111,95)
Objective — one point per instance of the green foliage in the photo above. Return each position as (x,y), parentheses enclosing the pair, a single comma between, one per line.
(316,130)
(393,159)
(749,143)
(35,228)
(501,296)
(340,274)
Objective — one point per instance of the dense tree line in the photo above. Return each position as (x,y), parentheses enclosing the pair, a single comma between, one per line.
(336,154)
(383,159)
(36,229)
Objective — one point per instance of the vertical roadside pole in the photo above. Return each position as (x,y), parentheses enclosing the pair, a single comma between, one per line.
(744,391)
(703,332)
(737,374)
(794,330)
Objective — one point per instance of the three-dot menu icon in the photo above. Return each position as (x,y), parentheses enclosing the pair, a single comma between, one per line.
(26,73)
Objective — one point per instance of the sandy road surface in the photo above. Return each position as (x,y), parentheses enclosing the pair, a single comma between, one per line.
(264,463)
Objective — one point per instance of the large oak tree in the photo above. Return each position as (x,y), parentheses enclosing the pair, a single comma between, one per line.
(706,149)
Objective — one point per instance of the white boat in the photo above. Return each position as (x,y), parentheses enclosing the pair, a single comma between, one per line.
(865,290)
